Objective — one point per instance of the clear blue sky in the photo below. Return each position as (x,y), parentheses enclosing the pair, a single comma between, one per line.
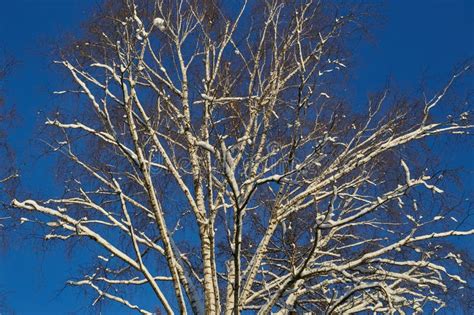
(431,35)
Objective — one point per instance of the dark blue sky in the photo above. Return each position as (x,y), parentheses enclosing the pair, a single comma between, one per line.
(429,35)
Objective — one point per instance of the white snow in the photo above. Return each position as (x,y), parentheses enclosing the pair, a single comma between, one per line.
(160,23)
(325,95)
(23,220)
(455,257)
(411,218)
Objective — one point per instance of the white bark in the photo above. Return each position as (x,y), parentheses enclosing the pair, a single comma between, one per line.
(284,190)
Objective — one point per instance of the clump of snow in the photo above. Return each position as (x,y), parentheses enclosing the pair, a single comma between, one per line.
(400,202)
(456,258)
(160,23)
(325,95)
(23,220)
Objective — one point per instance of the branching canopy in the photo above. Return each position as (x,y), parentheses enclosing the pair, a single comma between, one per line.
(215,164)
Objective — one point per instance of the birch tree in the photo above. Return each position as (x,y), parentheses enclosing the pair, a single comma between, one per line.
(211,160)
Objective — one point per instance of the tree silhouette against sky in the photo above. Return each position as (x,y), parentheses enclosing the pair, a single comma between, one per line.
(212,159)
